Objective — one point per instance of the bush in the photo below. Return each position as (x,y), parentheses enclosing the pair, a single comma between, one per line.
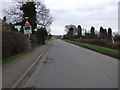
(41,35)
(116,45)
(34,41)
(12,43)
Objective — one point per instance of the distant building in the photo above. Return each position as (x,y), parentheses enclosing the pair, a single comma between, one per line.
(57,36)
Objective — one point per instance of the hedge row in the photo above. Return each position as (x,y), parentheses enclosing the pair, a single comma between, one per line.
(100,42)
(14,43)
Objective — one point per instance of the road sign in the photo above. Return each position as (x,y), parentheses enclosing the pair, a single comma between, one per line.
(27,28)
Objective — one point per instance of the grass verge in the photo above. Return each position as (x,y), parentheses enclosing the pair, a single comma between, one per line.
(103,50)
(48,40)
(18,55)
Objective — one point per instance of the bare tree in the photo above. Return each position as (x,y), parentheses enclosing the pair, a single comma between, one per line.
(44,18)
(15,15)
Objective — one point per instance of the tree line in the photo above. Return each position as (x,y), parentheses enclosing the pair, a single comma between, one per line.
(77,33)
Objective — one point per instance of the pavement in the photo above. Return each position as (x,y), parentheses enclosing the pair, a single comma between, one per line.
(66,65)
(14,70)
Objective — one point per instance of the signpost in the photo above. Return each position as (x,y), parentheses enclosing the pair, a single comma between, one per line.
(27,28)
(27,31)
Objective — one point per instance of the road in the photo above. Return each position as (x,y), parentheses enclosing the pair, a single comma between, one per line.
(71,66)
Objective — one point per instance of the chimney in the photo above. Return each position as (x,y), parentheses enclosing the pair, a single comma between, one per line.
(4,19)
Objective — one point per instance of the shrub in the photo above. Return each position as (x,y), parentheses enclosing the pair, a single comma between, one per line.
(15,42)
(34,41)
(41,35)
(12,43)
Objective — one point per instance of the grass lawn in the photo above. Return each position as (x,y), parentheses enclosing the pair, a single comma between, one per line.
(104,50)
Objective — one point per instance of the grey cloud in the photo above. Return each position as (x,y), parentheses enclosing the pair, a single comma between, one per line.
(101,13)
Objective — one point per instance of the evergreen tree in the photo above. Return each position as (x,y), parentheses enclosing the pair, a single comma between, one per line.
(41,35)
(109,32)
(70,34)
(101,33)
(79,31)
(29,10)
(49,36)
(105,32)
(92,30)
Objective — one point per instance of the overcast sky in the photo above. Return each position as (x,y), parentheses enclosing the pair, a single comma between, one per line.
(86,13)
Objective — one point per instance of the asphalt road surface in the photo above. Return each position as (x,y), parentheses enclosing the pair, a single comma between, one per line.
(71,66)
